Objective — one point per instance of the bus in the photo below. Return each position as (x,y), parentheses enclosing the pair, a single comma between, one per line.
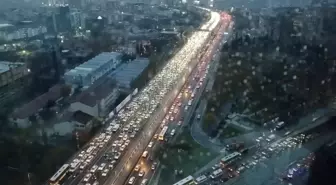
(200,179)
(231,157)
(74,165)
(58,177)
(186,181)
(162,133)
(216,173)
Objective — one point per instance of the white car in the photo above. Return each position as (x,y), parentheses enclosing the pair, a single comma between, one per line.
(144,182)
(137,168)
(132,180)
(145,154)
(141,173)
(104,174)
(172,133)
(116,157)
(150,145)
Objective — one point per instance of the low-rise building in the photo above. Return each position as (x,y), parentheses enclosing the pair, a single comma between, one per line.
(82,121)
(96,100)
(128,72)
(21,117)
(13,78)
(89,72)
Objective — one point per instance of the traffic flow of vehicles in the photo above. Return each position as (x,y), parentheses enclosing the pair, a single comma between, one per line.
(129,120)
(174,117)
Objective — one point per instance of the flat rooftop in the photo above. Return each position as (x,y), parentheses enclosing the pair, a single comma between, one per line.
(128,72)
(5,65)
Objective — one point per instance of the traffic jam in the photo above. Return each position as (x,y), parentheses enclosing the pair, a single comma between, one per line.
(106,149)
(175,116)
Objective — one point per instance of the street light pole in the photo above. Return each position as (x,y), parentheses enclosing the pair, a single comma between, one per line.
(29,178)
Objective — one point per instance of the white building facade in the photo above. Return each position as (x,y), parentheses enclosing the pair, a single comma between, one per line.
(87,73)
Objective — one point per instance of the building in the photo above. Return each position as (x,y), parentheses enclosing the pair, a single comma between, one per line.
(75,20)
(13,78)
(322,170)
(128,72)
(10,32)
(21,117)
(63,19)
(96,100)
(82,121)
(87,73)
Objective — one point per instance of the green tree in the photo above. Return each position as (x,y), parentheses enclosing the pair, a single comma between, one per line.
(209,121)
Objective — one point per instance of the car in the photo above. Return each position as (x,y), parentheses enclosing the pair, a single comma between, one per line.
(144,182)
(104,174)
(117,155)
(155,136)
(145,154)
(137,168)
(141,173)
(150,145)
(179,123)
(172,133)
(132,180)
(154,166)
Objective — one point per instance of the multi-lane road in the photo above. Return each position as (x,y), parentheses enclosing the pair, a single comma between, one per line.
(109,157)
(180,111)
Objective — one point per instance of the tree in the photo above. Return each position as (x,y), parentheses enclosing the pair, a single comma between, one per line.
(65,91)
(209,122)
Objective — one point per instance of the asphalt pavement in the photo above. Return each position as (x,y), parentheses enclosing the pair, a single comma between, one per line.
(181,117)
(268,172)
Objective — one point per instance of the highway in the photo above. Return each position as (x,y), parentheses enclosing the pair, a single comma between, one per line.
(179,112)
(109,157)
(265,164)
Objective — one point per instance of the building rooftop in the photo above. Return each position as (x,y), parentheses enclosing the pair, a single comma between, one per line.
(81,117)
(5,25)
(38,103)
(128,72)
(5,66)
(94,63)
(92,95)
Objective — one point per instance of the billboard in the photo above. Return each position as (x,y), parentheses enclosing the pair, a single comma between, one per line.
(123,103)
(135,92)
